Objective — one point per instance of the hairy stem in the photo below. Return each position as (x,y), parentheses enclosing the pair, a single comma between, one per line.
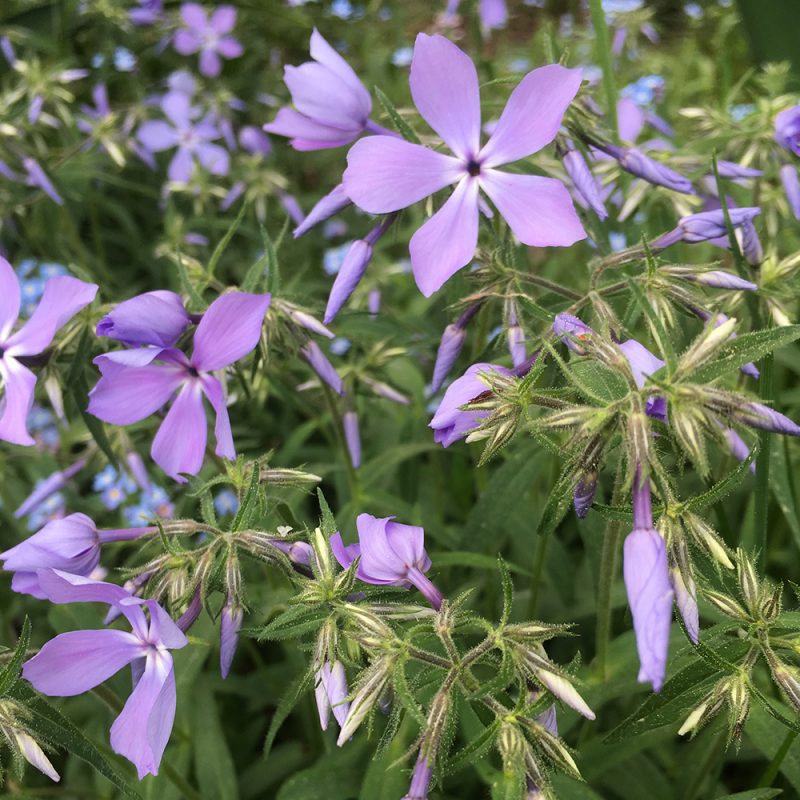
(766,386)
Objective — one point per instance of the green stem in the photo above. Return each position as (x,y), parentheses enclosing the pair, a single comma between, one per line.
(766,386)
(774,766)
(608,572)
(179,782)
(551,286)
(604,54)
(336,420)
(538,568)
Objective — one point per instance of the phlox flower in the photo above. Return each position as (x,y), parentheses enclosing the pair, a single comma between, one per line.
(136,383)
(209,35)
(386,174)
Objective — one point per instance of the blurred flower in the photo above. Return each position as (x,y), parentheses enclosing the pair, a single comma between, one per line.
(50,485)
(386,174)
(62,298)
(75,662)
(389,553)
(226,503)
(209,35)
(136,383)
(787,129)
(148,13)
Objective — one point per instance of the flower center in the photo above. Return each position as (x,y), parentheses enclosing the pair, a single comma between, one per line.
(473,167)
(193,372)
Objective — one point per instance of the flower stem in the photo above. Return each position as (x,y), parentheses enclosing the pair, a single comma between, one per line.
(604,54)
(774,766)
(766,382)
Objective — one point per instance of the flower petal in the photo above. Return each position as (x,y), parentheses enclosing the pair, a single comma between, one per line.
(408,541)
(444,85)
(63,298)
(16,402)
(322,95)
(379,562)
(125,395)
(322,52)
(180,444)
(210,64)
(222,427)
(223,19)
(142,730)
(9,298)
(194,16)
(58,542)
(157,318)
(229,329)
(345,554)
(77,661)
(157,135)
(181,166)
(539,210)
(386,174)
(532,115)
(447,241)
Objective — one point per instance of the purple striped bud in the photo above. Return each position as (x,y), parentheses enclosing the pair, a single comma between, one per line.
(450,346)
(350,274)
(384,390)
(230,624)
(733,171)
(757,415)
(48,487)
(791,188)
(516,345)
(705,226)
(331,204)
(189,617)
(787,129)
(420,780)
(751,244)
(719,279)
(304,319)
(583,497)
(686,600)
(642,166)
(738,447)
(584,182)
(322,366)
(352,437)
(30,750)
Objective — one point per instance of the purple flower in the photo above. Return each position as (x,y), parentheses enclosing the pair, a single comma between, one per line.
(193,140)
(332,107)
(450,423)
(791,187)
(63,297)
(156,318)
(230,624)
(136,383)
(75,662)
(208,35)
(71,544)
(649,589)
(386,174)
(420,780)
(706,226)
(450,346)
(148,13)
(331,204)
(36,176)
(493,13)
(319,362)
(787,129)
(571,330)
(352,437)
(637,163)
(390,554)
(50,485)
(331,693)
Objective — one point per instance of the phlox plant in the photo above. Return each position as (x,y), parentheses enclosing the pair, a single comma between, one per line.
(398,400)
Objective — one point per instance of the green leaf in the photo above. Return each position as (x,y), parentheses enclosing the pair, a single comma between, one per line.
(329,526)
(724,487)
(196,302)
(294,622)
(80,391)
(51,726)
(249,502)
(752,794)
(745,348)
(780,484)
(606,62)
(476,748)
(558,501)
(604,383)
(225,241)
(213,764)
(10,673)
(464,558)
(403,128)
(288,701)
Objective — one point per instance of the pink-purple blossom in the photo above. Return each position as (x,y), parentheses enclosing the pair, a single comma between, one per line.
(75,662)
(210,35)
(136,383)
(386,174)
(787,129)
(156,318)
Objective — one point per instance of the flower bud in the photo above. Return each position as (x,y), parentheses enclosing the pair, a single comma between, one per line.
(322,366)
(583,496)
(791,188)
(348,277)
(287,477)
(726,604)
(748,580)
(707,538)
(372,685)
(332,203)
(642,166)
(230,624)
(352,437)
(584,182)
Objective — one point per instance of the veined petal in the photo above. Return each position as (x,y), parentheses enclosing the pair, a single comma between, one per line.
(539,210)
(222,426)
(63,298)
(125,395)
(408,541)
(77,661)
(16,401)
(532,115)
(229,329)
(379,561)
(444,85)
(9,298)
(321,94)
(180,443)
(300,128)
(142,730)
(345,554)
(385,173)
(447,241)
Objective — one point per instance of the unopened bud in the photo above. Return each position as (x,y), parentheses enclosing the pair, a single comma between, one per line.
(287,477)
(748,579)
(369,692)
(706,345)
(693,720)
(707,538)
(511,744)
(554,749)
(688,424)
(739,702)
(726,604)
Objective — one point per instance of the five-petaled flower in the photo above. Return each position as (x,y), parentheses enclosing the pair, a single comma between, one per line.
(75,662)
(209,35)
(385,173)
(136,383)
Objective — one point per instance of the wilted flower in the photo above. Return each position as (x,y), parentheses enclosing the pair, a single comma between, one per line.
(209,35)
(63,297)
(73,663)
(390,553)
(386,174)
(332,107)
(136,383)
